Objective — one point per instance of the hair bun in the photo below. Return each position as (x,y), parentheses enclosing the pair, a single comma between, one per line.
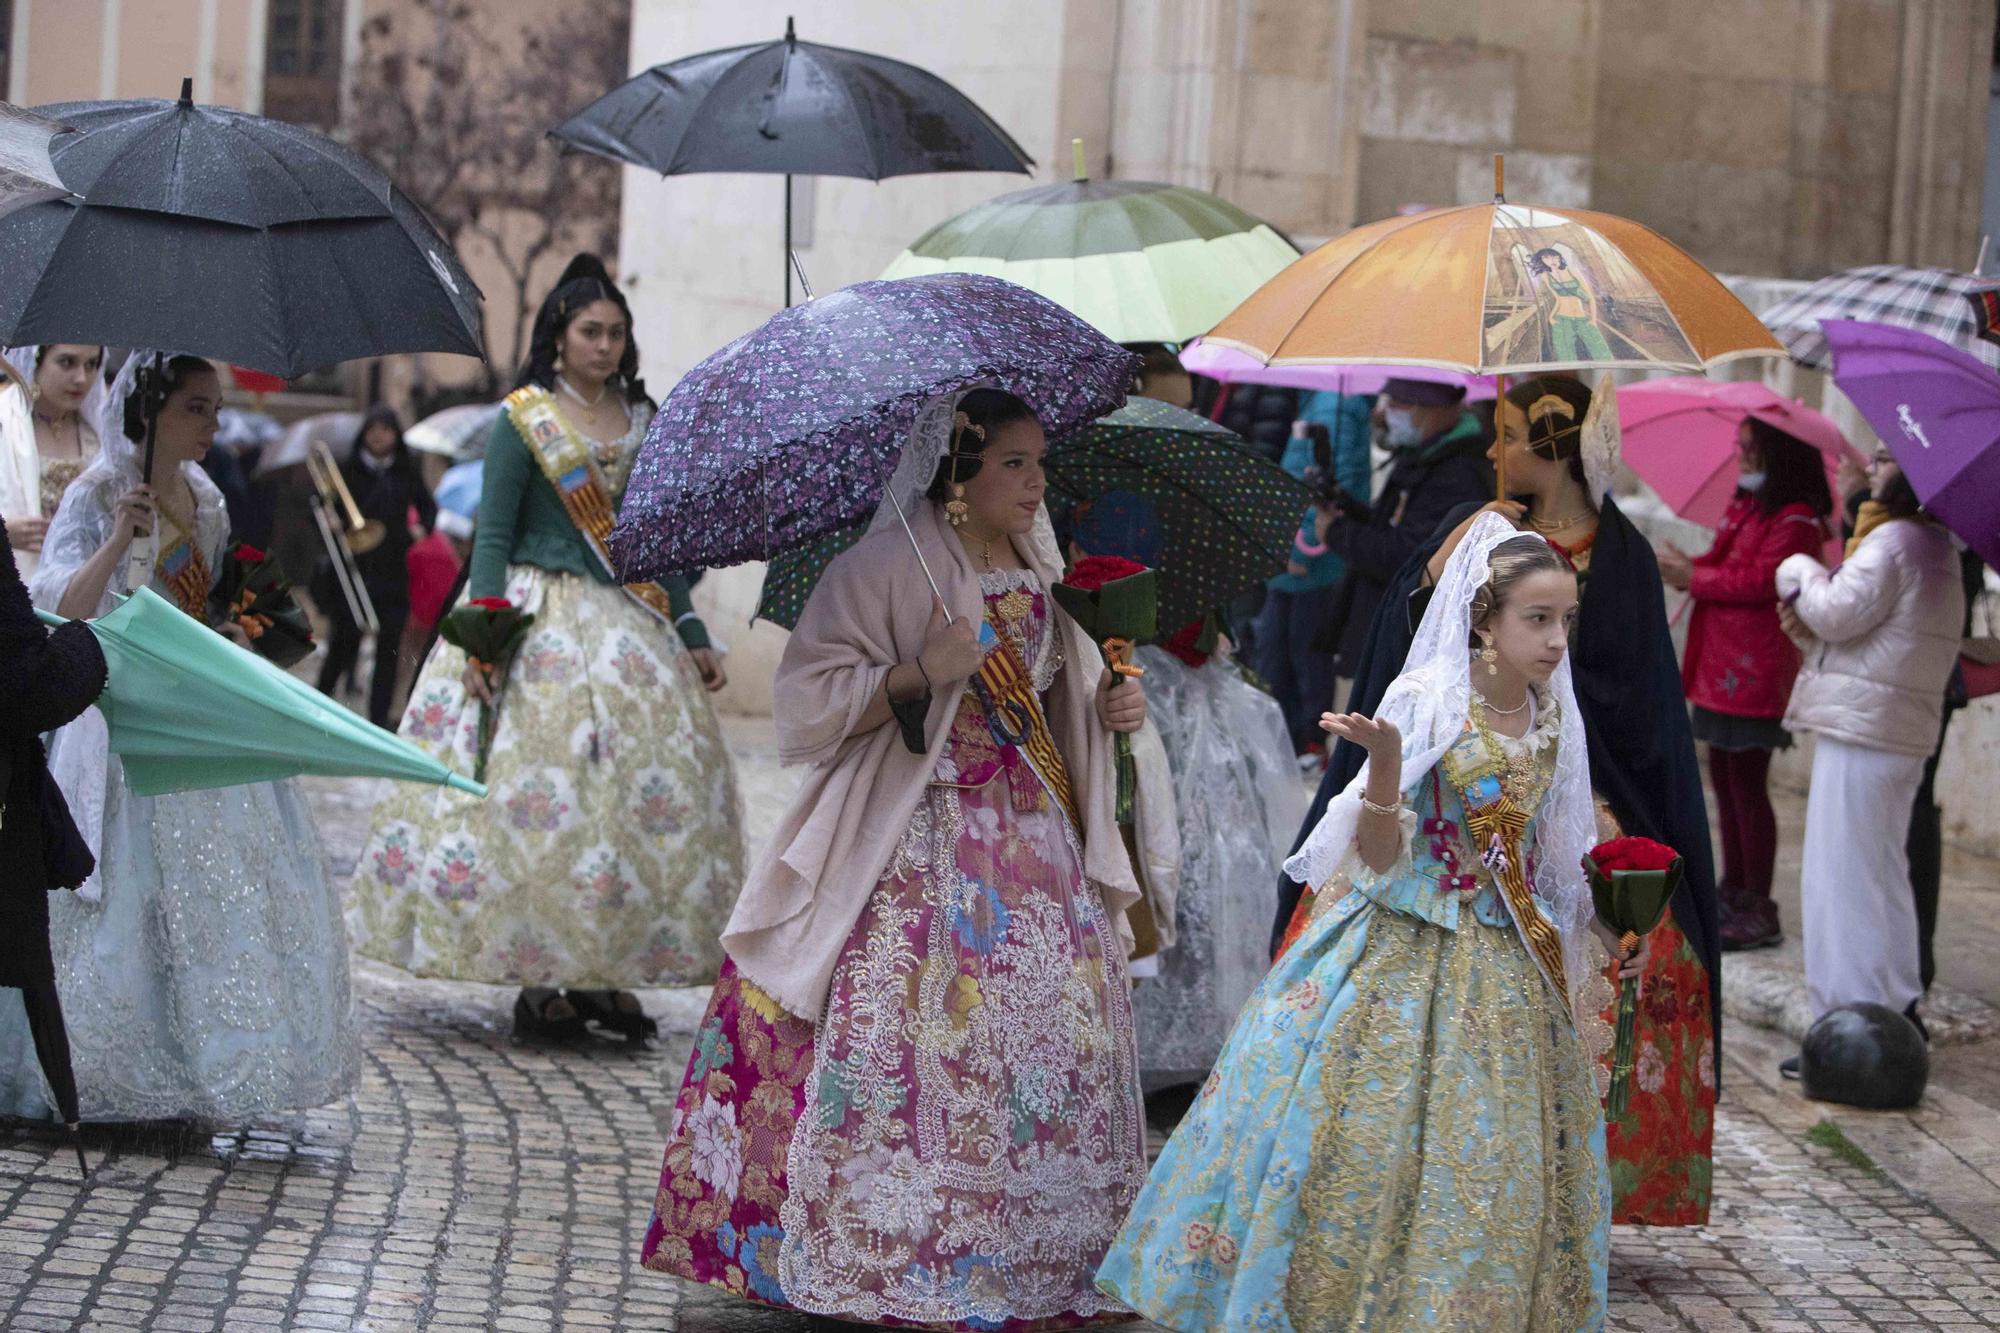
(585,265)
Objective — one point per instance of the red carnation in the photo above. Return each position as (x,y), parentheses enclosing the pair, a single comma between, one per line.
(492,604)
(1632,854)
(1184,643)
(1093,572)
(248,554)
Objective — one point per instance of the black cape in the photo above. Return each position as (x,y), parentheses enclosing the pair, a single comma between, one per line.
(1628,684)
(46,679)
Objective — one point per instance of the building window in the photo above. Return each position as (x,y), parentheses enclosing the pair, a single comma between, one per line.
(302,60)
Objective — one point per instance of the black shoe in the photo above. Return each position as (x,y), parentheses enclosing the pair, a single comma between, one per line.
(615,1011)
(545,1015)
(1789,1067)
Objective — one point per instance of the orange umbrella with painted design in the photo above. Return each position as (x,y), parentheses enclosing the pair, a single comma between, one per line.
(1498,289)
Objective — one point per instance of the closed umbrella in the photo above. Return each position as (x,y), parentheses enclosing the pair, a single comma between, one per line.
(792,108)
(1139,260)
(187,710)
(1937,408)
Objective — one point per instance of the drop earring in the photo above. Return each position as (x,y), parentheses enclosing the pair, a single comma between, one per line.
(956,510)
(1490,657)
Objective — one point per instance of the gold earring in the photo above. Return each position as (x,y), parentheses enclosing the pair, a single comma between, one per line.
(1490,657)
(956,509)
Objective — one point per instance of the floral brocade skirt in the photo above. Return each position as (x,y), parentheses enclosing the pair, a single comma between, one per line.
(1662,1148)
(956,1142)
(610,848)
(1402,1133)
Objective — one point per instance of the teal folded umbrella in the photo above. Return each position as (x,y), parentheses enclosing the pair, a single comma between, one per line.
(187,709)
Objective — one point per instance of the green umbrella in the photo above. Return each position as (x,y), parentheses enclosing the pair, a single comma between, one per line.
(1143,262)
(188,709)
(1226,515)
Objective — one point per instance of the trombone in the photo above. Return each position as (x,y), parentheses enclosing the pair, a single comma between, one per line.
(345,533)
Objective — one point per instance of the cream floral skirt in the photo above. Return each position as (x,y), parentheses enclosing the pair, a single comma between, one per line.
(610,849)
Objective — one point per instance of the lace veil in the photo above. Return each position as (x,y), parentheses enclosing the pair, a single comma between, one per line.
(1600,440)
(928,442)
(1430,703)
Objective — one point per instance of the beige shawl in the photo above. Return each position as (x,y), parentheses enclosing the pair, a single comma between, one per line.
(870,611)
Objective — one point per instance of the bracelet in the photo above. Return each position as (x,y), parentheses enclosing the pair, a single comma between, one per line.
(1393,811)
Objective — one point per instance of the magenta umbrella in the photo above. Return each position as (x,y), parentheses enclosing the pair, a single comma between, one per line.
(1231,366)
(1679,435)
(1938,410)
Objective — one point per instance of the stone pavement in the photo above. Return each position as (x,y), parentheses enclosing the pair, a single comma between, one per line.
(476,1184)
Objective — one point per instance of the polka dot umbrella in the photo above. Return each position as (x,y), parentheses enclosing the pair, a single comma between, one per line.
(1227,515)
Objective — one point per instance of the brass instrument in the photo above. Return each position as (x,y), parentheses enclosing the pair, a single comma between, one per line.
(345,533)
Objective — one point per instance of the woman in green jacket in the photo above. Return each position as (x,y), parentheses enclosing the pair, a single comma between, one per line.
(610,848)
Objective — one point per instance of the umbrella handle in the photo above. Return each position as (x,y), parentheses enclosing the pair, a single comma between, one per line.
(930,578)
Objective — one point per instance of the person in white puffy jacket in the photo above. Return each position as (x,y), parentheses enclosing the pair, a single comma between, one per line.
(1880,635)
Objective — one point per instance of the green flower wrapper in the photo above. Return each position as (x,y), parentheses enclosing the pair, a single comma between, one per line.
(1631,882)
(487,630)
(255,595)
(1117,602)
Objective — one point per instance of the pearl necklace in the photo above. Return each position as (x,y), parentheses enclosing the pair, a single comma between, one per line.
(570,389)
(1498,711)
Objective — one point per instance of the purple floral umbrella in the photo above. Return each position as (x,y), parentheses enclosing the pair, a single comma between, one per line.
(792,431)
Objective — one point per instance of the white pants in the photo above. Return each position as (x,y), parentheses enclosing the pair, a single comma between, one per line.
(1860,914)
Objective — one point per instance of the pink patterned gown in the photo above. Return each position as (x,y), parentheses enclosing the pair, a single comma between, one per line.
(957,1141)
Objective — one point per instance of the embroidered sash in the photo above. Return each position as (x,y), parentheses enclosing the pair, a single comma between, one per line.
(565,460)
(184,571)
(1494,808)
(1010,700)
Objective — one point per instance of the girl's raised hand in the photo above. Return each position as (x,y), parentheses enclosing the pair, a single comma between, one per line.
(1376,737)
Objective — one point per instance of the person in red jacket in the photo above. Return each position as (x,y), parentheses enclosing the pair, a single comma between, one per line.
(1739,665)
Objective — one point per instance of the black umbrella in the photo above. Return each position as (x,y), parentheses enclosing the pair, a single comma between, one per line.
(211,231)
(792,108)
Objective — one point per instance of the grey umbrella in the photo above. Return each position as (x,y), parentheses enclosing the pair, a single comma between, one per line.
(792,108)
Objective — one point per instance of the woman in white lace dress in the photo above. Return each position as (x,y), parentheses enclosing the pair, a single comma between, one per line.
(203,968)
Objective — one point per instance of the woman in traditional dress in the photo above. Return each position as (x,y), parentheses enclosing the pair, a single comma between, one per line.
(1236,799)
(912,1099)
(1562,454)
(48,435)
(1403,1131)
(607,853)
(203,968)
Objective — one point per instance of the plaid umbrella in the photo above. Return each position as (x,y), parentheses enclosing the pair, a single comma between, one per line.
(1938,301)
(1986,313)
(1227,515)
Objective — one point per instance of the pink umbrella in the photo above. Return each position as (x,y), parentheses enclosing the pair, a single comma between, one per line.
(1232,366)
(1680,437)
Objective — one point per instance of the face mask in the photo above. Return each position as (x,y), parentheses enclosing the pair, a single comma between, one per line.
(1401,427)
(1750,481)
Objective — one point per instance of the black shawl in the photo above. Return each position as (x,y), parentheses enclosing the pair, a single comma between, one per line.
(1628,684)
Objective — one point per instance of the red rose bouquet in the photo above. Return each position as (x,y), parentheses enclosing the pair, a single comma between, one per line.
(1631,881)
(487,630)
(1117,602)
(253,594)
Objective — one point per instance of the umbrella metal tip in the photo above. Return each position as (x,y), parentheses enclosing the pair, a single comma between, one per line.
(187,92)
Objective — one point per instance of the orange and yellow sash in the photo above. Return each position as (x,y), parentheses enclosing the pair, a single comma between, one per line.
(565,460)
(184,571)
(1007,687)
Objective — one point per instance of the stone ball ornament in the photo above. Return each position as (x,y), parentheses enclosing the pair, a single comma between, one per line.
(1864,1055)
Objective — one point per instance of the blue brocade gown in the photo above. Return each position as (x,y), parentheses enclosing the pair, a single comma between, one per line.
(1401,1133)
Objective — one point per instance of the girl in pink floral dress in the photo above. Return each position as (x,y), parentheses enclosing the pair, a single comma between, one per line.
(913,1099)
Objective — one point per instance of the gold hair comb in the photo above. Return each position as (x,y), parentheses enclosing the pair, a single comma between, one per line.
(1549,404)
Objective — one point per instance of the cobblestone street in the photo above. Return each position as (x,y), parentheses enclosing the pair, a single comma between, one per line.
(477,1184)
